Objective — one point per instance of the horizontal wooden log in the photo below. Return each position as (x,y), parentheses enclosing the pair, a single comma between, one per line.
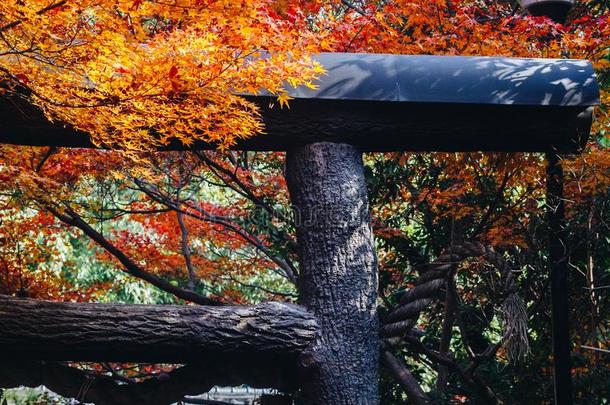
(43,330)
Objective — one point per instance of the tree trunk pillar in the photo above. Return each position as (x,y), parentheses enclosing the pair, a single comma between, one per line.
(338,273)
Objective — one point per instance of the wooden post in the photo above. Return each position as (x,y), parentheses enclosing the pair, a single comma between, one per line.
(558,260)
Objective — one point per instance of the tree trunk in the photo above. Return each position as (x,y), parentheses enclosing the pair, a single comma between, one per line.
(43,330)
(338,280)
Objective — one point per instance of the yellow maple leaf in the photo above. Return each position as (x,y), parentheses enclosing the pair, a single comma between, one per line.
(283,99)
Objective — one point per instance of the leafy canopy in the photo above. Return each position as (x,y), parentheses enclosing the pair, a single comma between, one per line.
(139,74)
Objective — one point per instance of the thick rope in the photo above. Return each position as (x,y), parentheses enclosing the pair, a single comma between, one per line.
(433,282)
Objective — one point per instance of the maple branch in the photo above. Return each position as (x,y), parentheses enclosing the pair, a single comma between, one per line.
(468,376)
(119,212)
(357,9)
(405,378)
(29,91)
(258,287)
(247,192)
(199,213)
(492,207)
(186,251)
(52,150)
(447,333)
(73,219)
(39,12)
(440,273)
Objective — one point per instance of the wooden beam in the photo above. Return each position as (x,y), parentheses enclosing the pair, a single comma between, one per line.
(400,103)
(370,126)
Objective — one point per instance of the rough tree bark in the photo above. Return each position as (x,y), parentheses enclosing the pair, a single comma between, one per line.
(338,280)
(43,330)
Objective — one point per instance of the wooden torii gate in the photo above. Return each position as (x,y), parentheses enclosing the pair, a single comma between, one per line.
(366,103)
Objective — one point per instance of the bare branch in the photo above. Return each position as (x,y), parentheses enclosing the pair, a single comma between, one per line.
(186,251)
(406,380)
(130,266)
(40,12)
(203,215)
